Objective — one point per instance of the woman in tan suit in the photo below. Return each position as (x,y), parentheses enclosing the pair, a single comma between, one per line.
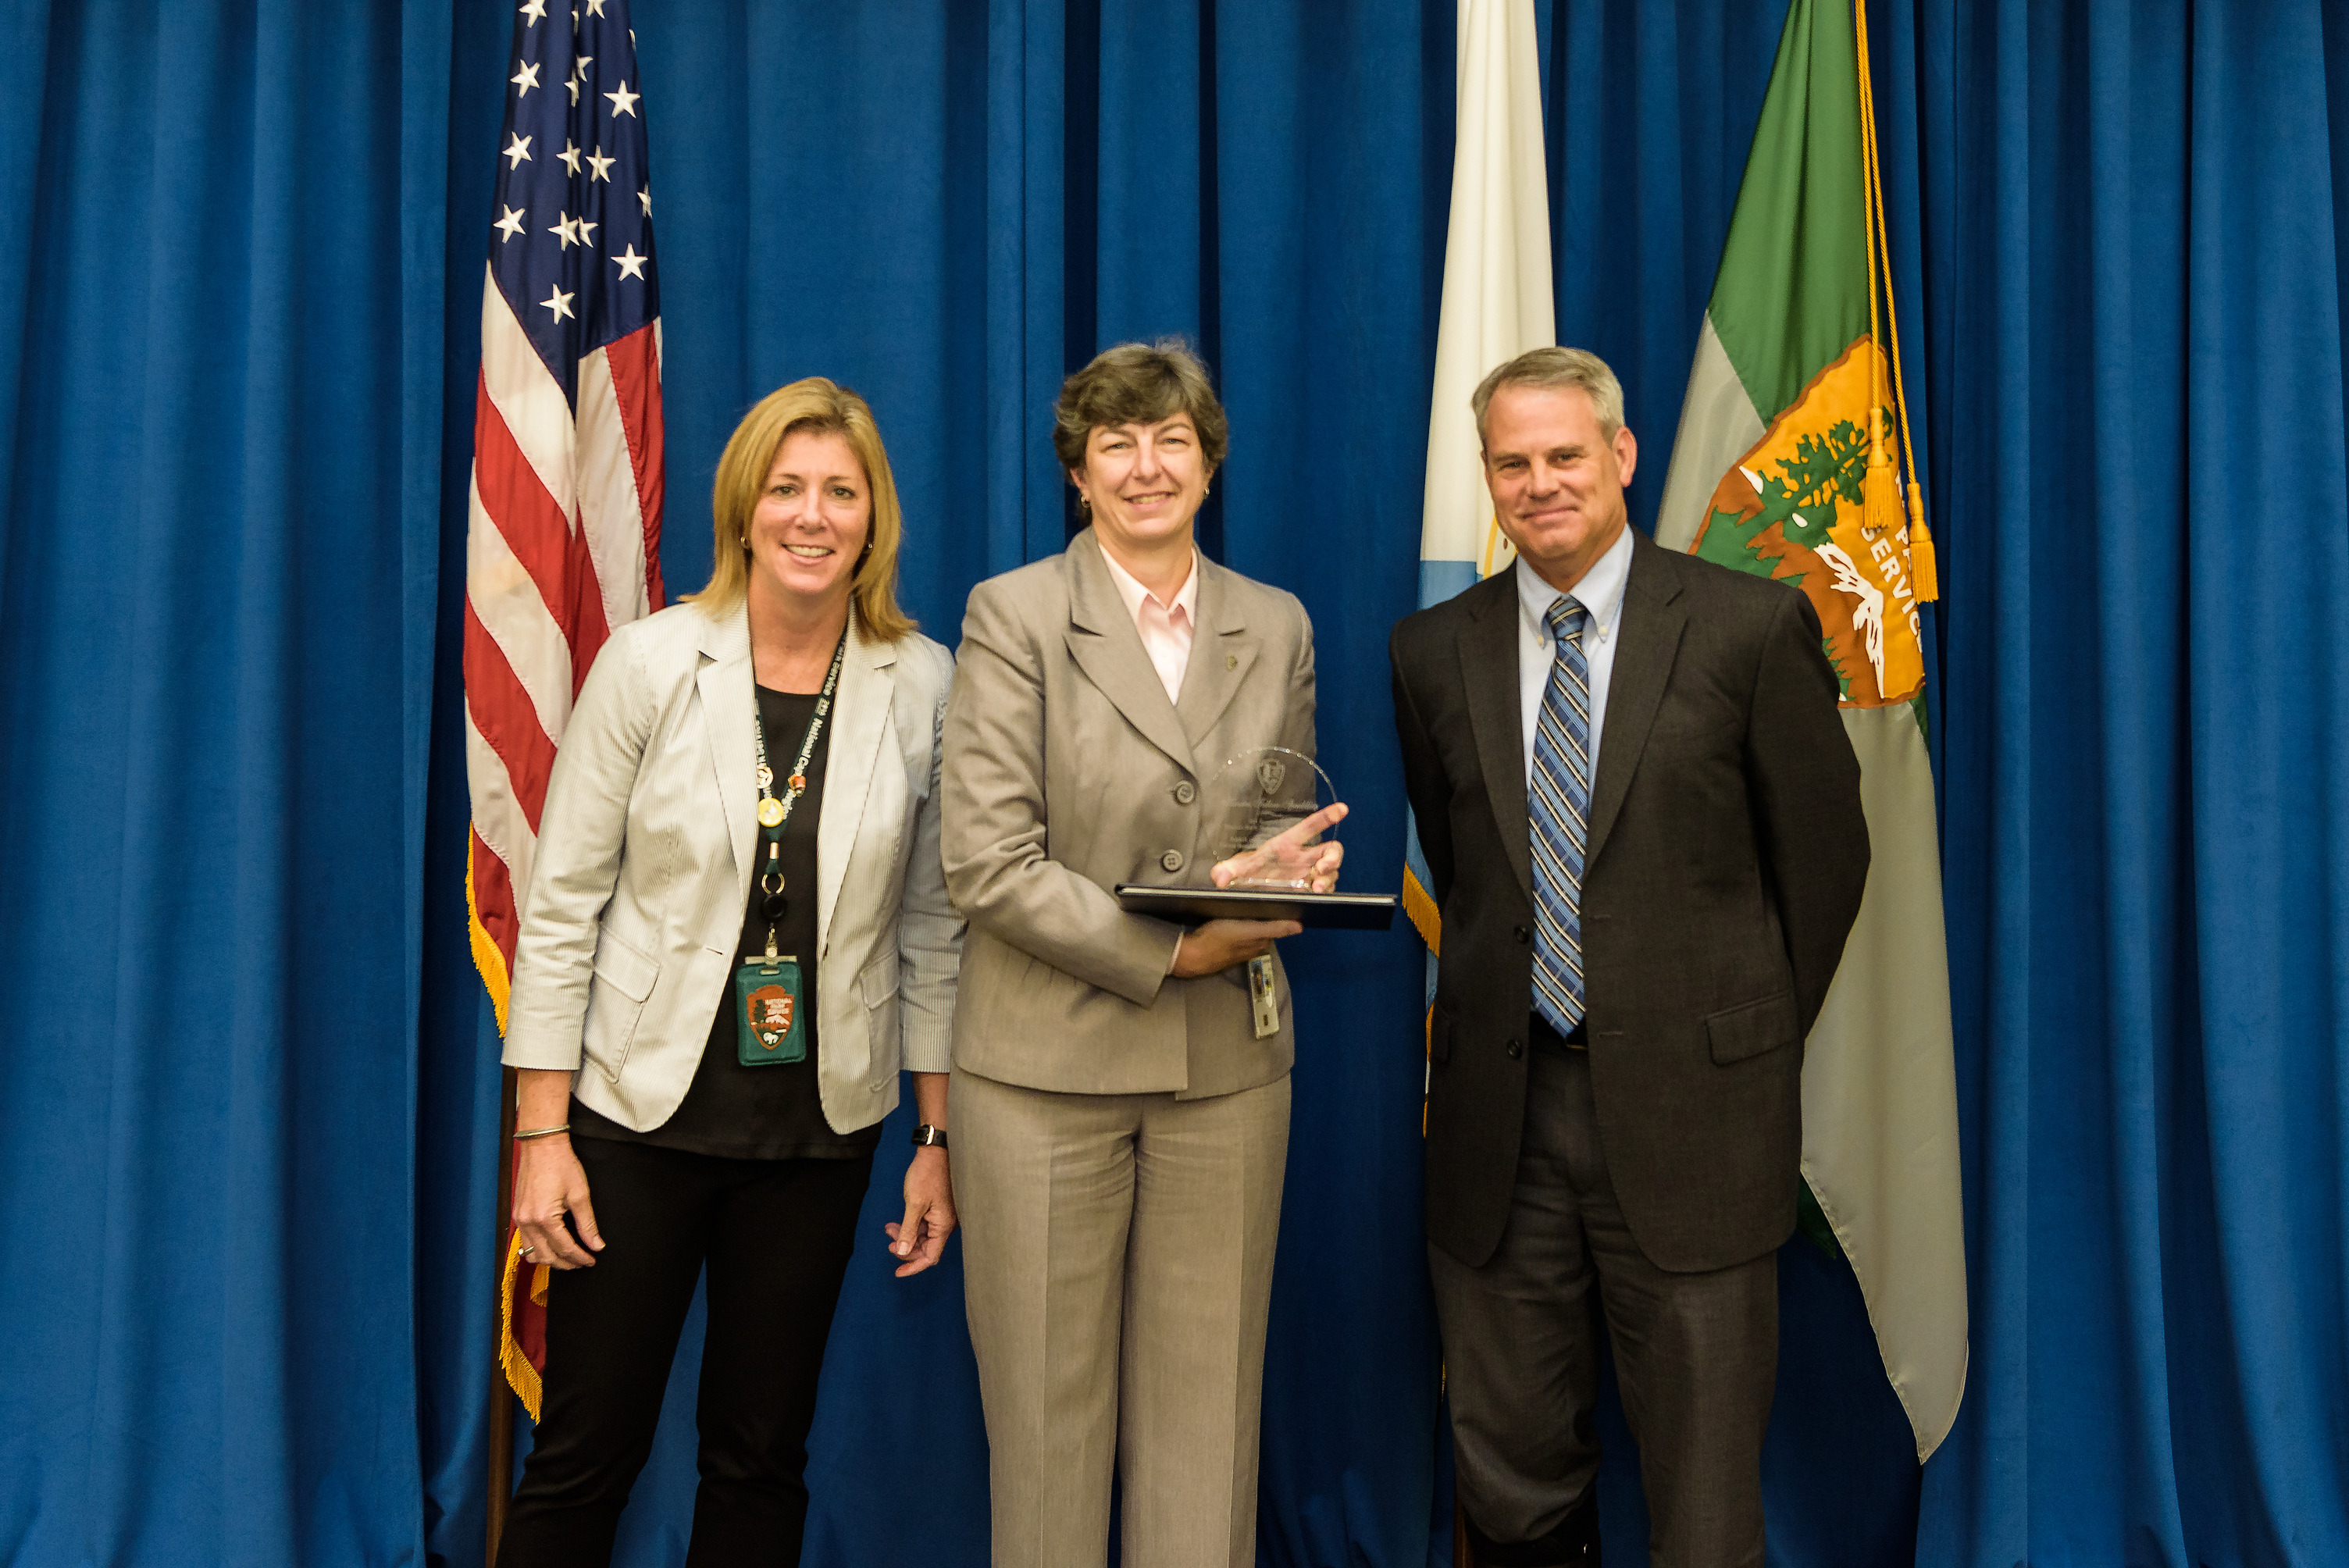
(1121,1123)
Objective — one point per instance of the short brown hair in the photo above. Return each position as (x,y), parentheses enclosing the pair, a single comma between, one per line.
(816,404)
(1139,383)
(1556,368)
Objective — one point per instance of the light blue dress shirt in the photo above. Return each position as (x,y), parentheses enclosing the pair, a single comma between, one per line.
(1600,595)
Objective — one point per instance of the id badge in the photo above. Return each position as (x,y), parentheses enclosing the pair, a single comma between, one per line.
(1262,998)
(766,1002)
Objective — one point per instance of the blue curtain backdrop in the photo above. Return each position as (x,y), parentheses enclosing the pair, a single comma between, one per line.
(247,1171)
(221,352)
(2130,219)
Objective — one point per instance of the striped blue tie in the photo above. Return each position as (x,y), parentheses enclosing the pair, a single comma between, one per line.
(1561,814)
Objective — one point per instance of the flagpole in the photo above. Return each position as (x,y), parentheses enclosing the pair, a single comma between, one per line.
(568,471)
(499,1490)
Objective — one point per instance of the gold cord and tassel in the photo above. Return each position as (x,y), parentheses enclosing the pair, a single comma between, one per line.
(1880,498)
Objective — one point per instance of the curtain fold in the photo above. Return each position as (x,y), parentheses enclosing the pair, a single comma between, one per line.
(25,74)
(1332,130)
(463,44)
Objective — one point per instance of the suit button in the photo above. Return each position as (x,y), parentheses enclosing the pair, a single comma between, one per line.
(1171,860)
(1515,1048)
(1523,935)
(1184,794)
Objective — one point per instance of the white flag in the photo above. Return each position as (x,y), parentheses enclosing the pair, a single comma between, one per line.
(1497,303)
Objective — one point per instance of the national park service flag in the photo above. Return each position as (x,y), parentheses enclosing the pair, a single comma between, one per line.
(1787,466)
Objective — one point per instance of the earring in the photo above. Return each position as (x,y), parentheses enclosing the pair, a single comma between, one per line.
(1084,501)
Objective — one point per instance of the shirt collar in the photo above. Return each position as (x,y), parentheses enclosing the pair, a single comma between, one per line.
(1129,590)
(1600,592)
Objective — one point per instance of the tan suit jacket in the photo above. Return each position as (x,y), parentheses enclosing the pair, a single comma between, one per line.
(1066,772)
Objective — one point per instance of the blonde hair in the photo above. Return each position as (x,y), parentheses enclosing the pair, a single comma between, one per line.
(821,405)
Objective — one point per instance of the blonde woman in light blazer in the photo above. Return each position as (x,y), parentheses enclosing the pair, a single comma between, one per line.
(662,1129)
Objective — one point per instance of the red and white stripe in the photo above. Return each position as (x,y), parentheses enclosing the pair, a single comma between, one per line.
(564,546)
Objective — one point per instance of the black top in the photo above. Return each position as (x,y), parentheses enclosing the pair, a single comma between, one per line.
(771,1111)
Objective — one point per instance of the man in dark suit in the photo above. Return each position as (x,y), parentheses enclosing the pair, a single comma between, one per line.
(1644,827)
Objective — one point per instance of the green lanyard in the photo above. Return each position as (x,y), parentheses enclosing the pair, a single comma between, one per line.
(774,810)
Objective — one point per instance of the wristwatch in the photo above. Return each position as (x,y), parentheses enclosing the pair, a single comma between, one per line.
(928,1137)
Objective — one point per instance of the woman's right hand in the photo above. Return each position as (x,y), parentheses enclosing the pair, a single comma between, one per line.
(1221,943)
(550,1183)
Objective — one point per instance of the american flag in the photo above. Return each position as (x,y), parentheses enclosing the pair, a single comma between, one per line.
(564,539)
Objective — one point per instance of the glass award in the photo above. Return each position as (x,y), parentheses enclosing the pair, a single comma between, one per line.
(1272,819)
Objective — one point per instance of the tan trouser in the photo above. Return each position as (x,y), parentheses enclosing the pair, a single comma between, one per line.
(1117,1258)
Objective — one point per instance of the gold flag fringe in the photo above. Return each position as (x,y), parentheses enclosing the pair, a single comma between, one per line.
(486,956)
(1420,908)
(521,1375)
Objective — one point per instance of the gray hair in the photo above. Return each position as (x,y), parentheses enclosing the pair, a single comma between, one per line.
(1557,368)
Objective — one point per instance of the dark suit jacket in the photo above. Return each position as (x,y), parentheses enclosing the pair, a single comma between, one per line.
(1727,856)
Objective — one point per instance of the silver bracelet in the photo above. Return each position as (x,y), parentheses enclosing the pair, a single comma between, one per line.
(542,1132)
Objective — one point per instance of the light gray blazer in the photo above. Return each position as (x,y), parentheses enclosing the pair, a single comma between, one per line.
(1066,772)
(643,871)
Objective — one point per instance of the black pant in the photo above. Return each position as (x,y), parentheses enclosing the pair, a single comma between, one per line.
(1696,1357)
(776,1236)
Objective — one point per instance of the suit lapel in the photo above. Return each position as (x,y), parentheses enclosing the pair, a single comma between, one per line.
(725,687)
(1488,674)
(1222,654)
(1103,641)
(859,723)
(1650,639)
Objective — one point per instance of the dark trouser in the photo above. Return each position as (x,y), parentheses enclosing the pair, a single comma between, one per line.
(1696,1356)
(776,1235)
